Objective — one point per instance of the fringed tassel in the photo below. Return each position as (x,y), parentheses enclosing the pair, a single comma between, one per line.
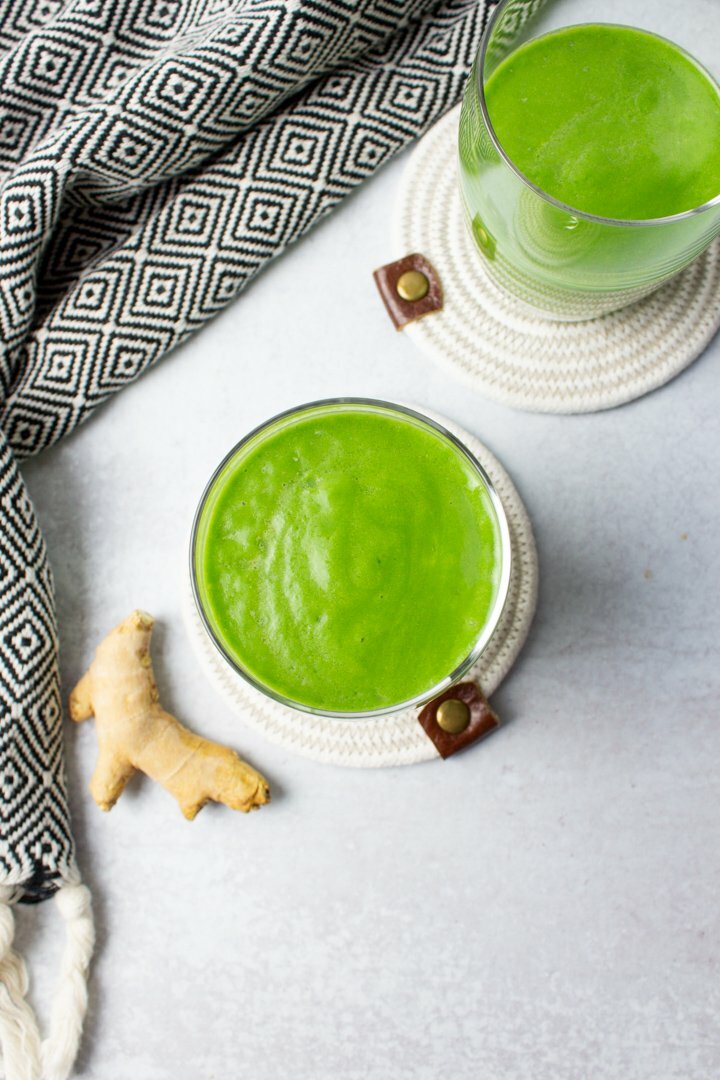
(19,1035)
(68,1011)
(24,1057)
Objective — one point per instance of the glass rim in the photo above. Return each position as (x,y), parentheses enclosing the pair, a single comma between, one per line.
(618,222)
(490,624)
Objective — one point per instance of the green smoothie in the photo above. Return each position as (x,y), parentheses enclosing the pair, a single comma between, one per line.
(610,120)
(622,129)
(347,558)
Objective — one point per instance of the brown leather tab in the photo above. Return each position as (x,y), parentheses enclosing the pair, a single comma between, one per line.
(403,311)
(482,719)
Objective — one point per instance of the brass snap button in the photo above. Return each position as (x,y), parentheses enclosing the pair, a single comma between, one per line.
(412,285)
(453,716)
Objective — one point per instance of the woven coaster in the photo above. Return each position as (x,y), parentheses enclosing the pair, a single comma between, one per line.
(505,351)
(397,739)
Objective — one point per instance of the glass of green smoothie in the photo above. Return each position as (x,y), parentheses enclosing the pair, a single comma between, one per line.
(350,558)
(589,148)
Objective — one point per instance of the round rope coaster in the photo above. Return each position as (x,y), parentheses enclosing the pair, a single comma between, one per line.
(505,351)
(397,739)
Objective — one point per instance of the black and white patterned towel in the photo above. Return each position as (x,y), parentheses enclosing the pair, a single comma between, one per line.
(154,154)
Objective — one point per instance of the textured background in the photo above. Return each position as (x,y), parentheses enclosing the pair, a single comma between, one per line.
(543,907)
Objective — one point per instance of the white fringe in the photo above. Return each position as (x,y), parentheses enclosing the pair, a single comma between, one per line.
(19,1035)
(24,1057)
(60,1049)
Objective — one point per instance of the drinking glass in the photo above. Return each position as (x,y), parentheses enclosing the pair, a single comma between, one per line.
(229,465)
(563,262)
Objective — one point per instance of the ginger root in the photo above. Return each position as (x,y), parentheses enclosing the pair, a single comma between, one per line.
(135,732)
